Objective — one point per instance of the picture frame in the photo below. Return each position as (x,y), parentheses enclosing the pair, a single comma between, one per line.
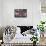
(20,13)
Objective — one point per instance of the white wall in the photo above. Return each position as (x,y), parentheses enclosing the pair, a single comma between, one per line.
(36,7)
(0,12)
(33,12)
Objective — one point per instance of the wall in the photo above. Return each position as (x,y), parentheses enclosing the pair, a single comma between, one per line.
(1,17)
(36,7)
(1,12)
(33,12)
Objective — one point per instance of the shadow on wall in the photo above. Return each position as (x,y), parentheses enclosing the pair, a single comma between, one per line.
(1,33)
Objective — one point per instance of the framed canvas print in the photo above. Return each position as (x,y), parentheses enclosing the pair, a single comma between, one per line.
(20,12)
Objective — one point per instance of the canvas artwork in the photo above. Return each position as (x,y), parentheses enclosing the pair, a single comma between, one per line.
(20,13)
